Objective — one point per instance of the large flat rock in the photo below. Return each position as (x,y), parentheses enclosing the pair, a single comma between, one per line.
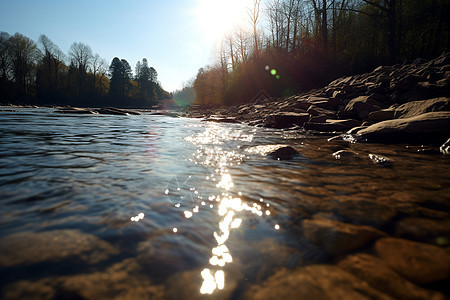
(432,126)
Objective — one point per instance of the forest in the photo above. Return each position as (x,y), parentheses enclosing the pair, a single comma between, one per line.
(292,46)
(39,73)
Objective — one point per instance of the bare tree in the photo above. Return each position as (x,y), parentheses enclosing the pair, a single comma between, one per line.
(52,60)
(80,57)
(254,19)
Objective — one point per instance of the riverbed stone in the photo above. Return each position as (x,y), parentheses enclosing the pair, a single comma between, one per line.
(123,280)
(337,237)
(445,148)
(360,107)
(314,282)
(279,152)
(285,120)
(26,248)
(415,108)
(430,126)
(74,110)
(381,115)
(375,272)
(424,229)
(418,262)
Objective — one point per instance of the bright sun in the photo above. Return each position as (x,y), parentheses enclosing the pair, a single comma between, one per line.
(218,17)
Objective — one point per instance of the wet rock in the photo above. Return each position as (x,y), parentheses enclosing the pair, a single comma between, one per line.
(445,148)
(286,120)
(331,125)
(314,282)
(381,115)
(344,154)
(74,110)
(116,111)
(337,237)
(123,280)
(415,108)
(221,119)
(26,248)
(418,262)
(424,230)
(426,127)
(280,152)
(375,272)
(380,160)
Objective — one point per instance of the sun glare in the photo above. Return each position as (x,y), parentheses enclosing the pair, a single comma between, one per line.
(218,17)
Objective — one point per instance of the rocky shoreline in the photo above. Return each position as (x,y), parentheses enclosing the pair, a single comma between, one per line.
(403,103)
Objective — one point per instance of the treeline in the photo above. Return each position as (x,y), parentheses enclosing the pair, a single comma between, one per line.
(305,44)
(40,73)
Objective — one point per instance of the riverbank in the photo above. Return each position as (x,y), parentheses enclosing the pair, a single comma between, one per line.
(403,103)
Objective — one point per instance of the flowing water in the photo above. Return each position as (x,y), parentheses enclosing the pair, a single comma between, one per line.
(96,206)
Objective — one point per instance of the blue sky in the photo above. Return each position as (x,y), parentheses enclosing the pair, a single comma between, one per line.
(173,35)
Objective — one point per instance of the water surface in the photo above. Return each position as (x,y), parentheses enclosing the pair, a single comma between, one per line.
(96,206)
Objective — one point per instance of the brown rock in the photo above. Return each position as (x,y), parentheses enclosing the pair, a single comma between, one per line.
(26,248)
(415,108)
(419,263)
(430,126)
(280,152)
(381,115)
(337,237)
(360,107)
(314,282)
(375,272)
(286,120)
(422,229)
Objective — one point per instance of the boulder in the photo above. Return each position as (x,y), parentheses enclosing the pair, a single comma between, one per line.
(418,262)
(337,237)
(314,282)
(26,248)
(279,152)
(332,125)
(286,120)
(360,107)
(415,108)
(431,127)
(381,115)
(314,110)
(375,272)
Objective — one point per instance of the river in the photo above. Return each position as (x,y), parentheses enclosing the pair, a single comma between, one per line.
(96,206)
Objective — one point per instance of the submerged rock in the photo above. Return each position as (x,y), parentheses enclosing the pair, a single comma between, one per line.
(26,248)
(314,282)
(418,262)
(343,154)
(374,271)
(337,237)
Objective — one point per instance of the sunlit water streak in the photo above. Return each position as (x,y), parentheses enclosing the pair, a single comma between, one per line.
(185,205)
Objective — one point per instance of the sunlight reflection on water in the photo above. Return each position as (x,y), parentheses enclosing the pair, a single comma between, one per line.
(228,206)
